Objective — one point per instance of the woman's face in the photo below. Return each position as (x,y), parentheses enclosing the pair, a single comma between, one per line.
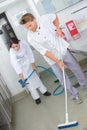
(16,47)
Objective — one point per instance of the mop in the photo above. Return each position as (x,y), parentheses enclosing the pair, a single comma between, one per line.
(67,124)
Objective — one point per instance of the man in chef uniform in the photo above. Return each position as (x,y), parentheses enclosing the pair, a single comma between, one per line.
(22,60)
(44,34)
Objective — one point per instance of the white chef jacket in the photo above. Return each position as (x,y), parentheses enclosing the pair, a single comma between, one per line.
(45,38)
(21,60)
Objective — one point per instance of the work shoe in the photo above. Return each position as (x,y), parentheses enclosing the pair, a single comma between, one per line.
(47,93)
(38,101)
(78,100)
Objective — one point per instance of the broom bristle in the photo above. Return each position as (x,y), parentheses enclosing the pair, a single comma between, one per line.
(67,125)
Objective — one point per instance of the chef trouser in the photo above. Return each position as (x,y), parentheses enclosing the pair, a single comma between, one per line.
(34,84)
(70,61)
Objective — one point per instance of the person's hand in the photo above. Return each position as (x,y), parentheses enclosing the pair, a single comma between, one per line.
(61,65)
(21,76)
(23,83)
(34,66)
(59,32)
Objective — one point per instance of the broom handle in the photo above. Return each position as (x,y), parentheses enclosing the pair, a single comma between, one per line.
(66,108)
(64,80)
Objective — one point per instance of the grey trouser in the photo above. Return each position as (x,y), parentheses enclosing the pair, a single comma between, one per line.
(70,61)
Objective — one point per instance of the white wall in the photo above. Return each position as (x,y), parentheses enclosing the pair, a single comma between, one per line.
(78,17)
(5,67)
(68,14)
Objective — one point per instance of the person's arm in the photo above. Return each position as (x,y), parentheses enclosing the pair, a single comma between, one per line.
(15,64)
(29,51)
(43,51)
(56,23)
(30,55)
(52,57)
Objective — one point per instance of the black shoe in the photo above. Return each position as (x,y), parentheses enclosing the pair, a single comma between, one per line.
(38,101)
(47,93)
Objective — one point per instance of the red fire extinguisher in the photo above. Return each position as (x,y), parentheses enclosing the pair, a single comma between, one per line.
(72,29)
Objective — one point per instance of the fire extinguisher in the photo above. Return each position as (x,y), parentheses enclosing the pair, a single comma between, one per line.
(72,29)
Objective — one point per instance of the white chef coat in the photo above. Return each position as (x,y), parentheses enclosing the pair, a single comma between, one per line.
(21,61)
(22,57)
(45,38)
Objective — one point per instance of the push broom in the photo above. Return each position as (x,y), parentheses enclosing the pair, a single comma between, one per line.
(67,124)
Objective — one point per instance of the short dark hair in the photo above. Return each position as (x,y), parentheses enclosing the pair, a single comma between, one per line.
(14,41)
(26,18)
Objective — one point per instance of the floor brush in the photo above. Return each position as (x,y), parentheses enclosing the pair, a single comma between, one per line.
(67,123)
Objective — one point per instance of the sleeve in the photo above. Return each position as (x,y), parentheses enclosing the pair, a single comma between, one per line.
(48,19)
(29,52)
(37,46)
(15,63)
(51,17)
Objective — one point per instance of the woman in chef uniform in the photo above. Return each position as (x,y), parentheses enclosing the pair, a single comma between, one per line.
(22,60)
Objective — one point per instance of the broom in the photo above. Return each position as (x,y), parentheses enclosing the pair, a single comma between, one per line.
(67,124)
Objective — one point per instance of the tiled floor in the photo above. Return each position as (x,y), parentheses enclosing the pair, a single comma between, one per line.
(51,112)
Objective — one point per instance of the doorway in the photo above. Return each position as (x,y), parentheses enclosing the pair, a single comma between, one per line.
(6,29)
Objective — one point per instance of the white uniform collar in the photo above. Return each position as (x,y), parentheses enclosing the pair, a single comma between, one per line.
(38,25)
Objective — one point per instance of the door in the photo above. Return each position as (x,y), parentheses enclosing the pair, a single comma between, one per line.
(6,29)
